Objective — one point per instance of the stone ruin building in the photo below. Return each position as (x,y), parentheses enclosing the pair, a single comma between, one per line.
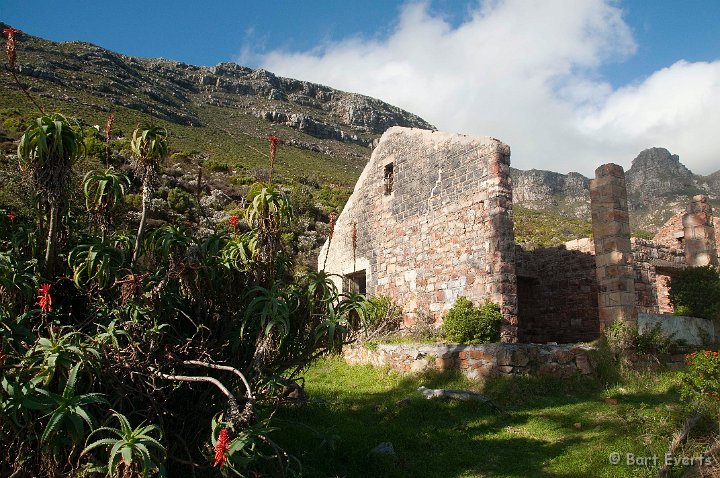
(430,220)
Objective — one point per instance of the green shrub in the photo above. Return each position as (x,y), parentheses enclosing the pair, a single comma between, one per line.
(179,200)
(380,310)
(242,180)
(623,337)
(695,292)
(217,166)
(701,381)
(467,324)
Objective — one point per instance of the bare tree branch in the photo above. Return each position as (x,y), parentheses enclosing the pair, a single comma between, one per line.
(248,390)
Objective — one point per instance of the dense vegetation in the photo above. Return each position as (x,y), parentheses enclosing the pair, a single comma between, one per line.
(163,350)
(695,292)
(546,229)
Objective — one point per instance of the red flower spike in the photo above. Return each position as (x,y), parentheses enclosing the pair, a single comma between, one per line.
(10,45)
(44,298)
(221,448)
(11,215)
(234,221)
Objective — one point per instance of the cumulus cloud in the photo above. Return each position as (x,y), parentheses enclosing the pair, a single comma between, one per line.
(528,74)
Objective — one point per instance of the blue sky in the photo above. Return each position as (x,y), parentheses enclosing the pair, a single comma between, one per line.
(568,84)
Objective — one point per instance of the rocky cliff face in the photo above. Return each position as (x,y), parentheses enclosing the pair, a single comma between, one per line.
(659,185)
(174,91)
(567,194)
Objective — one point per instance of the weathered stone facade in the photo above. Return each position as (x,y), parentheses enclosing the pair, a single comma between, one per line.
(430,220)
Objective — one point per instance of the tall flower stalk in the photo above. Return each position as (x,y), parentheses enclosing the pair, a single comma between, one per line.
(273,149)
(10,33)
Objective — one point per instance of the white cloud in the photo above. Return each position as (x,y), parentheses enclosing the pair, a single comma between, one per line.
(527,73)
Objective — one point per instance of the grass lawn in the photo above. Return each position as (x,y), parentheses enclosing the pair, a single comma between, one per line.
(545,427)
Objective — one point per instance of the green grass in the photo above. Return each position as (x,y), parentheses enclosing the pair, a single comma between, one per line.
(352,409)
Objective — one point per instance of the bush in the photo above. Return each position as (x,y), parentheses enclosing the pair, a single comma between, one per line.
(623,337)
(179,200)
(382,315)
(467,324)
(701,381)
(695,292)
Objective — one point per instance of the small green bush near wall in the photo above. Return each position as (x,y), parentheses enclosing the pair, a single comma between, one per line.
(695,292)
(468,324)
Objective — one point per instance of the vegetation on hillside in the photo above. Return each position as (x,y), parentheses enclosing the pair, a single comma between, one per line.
(545,229)
(161,353)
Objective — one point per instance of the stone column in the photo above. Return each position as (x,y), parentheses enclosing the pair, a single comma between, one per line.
(699,233)
(613,252)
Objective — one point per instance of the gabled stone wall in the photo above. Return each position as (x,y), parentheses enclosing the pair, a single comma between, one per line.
(440,227)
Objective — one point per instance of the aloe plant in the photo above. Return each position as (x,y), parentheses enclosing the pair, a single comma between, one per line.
(94,262)
(130,448)
(149,147)
(70,413)
(104,191)
(48,149)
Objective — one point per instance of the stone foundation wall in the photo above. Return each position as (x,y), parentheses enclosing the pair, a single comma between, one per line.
(477,361)
(557,296)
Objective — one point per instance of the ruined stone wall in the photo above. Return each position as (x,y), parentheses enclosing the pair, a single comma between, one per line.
(653,265)
(479,361)
(557,296)
(443,231)
(613,252)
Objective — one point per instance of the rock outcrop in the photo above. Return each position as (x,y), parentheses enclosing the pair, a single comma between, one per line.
(659,185)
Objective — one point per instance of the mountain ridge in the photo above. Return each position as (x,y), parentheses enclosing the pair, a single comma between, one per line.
(224,112)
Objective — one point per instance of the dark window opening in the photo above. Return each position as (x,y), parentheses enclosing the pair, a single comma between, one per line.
(389,176)
(356,283)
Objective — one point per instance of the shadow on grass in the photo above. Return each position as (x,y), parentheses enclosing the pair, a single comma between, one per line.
(545,427)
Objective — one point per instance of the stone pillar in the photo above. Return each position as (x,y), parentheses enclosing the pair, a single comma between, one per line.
(699,233)
(613,252)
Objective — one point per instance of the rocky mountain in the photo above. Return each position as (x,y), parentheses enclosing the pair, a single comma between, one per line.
(659,185)
(77,75)
(220,116)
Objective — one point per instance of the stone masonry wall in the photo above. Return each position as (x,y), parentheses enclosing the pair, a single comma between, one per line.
(557,296)
(613,254)
(478,361)
(445,229)
(653,264)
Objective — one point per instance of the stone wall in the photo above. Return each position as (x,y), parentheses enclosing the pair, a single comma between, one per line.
(654,264)
(430,220)
(557,296)
(477,361)
(613,252)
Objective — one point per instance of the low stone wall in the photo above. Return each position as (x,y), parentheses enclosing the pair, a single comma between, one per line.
(692,330)
(476,361)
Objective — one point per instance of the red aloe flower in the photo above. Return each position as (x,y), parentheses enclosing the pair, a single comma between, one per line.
(11,215)
(221,448)
(44,298)
(10,45)
(234,221)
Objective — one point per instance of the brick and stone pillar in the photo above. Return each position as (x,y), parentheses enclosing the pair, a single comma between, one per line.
(613,252)
(699,233)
